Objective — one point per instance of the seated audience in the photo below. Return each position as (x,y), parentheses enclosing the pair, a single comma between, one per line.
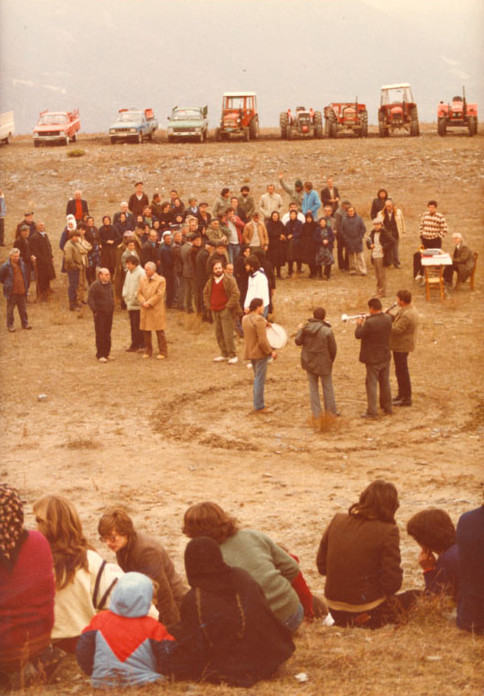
(227,632)
(434,531)
(462,261)
(360,556)
(26,597)
(269,565)
(121,646)
(143,554)
(83,580)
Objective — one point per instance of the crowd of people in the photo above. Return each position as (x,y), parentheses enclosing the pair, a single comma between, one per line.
(235,618)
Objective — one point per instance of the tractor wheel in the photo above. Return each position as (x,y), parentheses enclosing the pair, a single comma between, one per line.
(414,127)
(333,129)
(246,135)
(36,143)
(113,140)
(289,132)
(318,125)
(74,138)
(254,128)
(217,135)
(327,127)
(364,124)
(283,124)
(150,136)
(6,140)
(382,129)
(441,126)
(171,139)
(472,125)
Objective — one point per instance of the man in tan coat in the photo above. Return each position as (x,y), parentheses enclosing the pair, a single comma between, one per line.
(255,234)
(151,296)
(257,350)
(402,342)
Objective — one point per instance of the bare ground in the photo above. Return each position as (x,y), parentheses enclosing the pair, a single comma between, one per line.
(157,437)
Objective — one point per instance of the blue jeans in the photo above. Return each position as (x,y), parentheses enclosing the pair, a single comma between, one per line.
(233,250)
(260,371)
(328,394)
(73,277)
(294,621)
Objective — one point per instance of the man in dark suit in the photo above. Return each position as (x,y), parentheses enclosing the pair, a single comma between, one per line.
(330,195)
(77,206)
(374,332)
(138,200)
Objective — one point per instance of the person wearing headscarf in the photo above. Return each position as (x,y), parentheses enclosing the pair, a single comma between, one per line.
(26,590)
(227,632)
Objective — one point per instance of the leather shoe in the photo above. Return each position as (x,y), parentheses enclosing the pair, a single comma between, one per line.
(397,398)
(369,416)
(403,402)
(262,410)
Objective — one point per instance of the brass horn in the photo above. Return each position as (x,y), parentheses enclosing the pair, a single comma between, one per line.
(362,315)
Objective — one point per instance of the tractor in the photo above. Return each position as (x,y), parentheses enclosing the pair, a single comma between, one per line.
(239,116)
(305,123)
(397,111)
(458,114)
(346,116)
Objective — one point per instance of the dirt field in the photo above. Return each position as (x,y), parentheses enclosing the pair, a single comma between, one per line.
(157,437)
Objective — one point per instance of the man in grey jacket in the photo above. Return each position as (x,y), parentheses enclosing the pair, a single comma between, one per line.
(317,357)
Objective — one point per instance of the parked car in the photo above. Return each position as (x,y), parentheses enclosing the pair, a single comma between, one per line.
(133,124)
(188,123)
(239,116)
(57,127)
(7,127)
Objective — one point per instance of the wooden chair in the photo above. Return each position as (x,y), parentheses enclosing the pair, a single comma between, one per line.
(471,277)
(434,280)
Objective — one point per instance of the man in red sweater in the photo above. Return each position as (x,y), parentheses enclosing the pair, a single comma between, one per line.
(221,296)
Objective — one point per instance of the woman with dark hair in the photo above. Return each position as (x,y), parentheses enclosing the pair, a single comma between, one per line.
(165,216)
(26,593)
(360,556)
(293,237)
(177,210)
(378,202)
(109,238)
(122,225)
(323,249)
(307,251)
(434,531)
(267,563)
(277,242)
(143,554)
(93,257)
(83,580)
(227,632)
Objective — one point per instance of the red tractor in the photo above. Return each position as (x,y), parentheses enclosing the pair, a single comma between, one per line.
(239,116)
(346,116)
(305,123)
(458,114)
(397,111)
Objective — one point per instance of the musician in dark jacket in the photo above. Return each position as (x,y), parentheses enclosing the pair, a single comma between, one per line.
(374,332)
(317,357)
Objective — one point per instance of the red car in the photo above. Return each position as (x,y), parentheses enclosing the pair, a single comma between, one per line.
(57,126)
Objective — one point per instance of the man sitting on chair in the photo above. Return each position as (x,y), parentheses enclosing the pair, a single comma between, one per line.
(462,261)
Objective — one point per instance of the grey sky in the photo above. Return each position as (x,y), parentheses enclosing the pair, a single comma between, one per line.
(101,55)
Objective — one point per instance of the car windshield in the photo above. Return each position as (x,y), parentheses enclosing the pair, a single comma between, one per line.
(186,115)
(129,117)
(49,119)
(396,95)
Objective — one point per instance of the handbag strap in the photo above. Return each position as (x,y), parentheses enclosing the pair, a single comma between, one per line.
(99,606)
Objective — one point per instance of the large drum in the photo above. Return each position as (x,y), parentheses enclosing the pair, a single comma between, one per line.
(277,336)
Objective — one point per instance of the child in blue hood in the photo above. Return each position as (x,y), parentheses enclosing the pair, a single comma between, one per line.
(121,646)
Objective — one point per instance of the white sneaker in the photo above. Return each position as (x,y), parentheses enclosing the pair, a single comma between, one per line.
(103,360)
(220,358)
(233,360)
(419,276)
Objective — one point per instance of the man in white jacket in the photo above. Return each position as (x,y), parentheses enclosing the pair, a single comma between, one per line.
(134,273)
(258,285)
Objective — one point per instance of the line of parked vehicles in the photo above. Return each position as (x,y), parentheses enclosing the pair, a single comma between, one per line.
(240,120)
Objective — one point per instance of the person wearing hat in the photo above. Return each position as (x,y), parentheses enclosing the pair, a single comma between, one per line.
(22,243)
(380,242)
(14,279)
(295,194)
(74,252)
(101,302)
(138,200)
(28,220)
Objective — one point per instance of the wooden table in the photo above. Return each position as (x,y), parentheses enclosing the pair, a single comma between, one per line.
(434,272)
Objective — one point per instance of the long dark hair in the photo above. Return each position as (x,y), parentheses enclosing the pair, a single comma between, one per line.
(379,501)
